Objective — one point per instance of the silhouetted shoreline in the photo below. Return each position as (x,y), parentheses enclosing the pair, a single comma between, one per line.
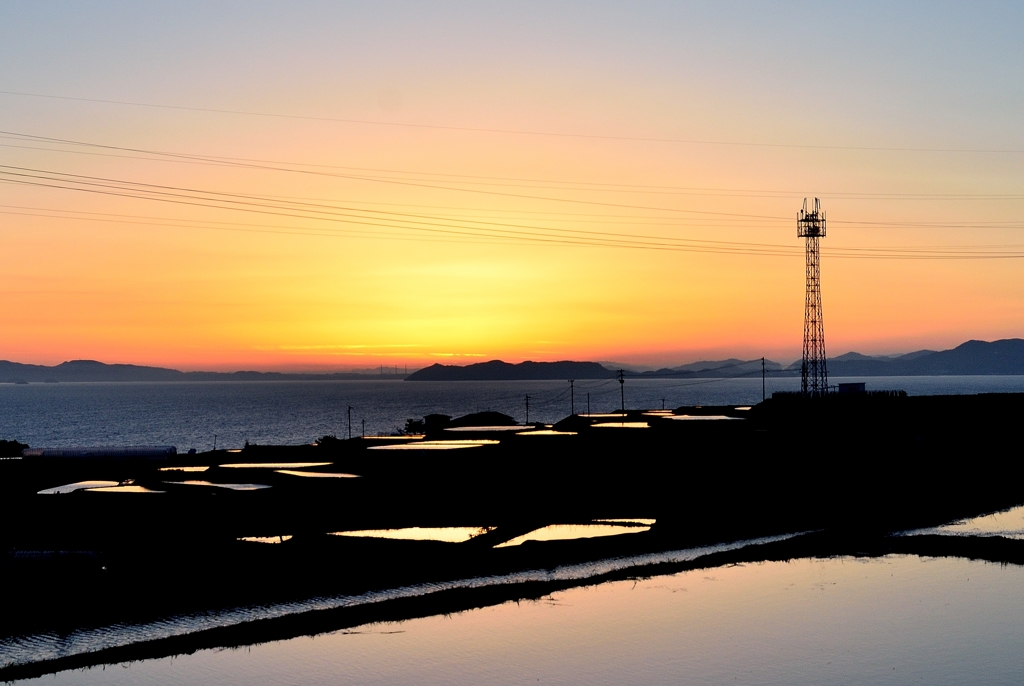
(461,599)
(707,476)
(1003,357)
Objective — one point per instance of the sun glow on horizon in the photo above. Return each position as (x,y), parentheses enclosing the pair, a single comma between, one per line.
(654,225)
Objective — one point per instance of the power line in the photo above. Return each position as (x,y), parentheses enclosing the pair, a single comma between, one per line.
(267,167)
(566,185)
(267,201)
(256,164)
(562,184)
(752,249)
(202,198)
(465,228)
(517,132)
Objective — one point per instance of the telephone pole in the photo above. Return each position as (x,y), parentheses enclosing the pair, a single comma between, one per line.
(572,397)
(588,403)
(350,422)
(622,390)
(527,408)
(762,379)
(810,225)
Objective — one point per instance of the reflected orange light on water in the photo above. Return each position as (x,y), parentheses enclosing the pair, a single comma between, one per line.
(942,621)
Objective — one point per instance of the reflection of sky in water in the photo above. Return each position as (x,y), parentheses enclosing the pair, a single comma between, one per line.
(20,649)
(449,534)
(561,532)
(704,418)
(318,475)
(232,487)
(436,445)
(894,620)
(635,520)
(546,432)
(77,486)
(1008,523)
(273,465)
(265,539)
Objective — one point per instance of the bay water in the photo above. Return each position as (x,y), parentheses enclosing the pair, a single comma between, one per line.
(195,414)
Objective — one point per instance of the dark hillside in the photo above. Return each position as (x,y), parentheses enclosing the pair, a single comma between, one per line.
(496,370)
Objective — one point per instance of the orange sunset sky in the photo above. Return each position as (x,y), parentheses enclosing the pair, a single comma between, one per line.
(338,186)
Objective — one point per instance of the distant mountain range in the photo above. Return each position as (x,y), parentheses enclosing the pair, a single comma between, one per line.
(496,370)
(971,358)
(90,370)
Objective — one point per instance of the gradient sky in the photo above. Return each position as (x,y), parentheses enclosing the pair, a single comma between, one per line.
(692,125)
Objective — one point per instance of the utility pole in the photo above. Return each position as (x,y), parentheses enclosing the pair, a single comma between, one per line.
(364,428)
(215,443)
(527,408)
(588,403)
(622,391)
(810,225)
(663,403)
(350,422)
(572,397)
(762,379)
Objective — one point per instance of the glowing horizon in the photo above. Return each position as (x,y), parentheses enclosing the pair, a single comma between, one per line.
(412,208)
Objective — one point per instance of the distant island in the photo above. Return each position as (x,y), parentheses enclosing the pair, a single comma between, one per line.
(91,370)
(1003,357)
(496,370)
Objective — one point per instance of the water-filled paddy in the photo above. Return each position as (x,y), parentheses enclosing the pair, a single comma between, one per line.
(892,620)
(1008,524)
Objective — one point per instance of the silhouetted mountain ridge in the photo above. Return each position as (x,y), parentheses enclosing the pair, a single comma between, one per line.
(93,371)
(496,370)
(1002,357)
(970,358)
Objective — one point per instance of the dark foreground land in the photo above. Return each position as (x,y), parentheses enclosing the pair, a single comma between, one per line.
(843,473)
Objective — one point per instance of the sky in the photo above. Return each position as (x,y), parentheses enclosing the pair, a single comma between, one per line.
(331,186)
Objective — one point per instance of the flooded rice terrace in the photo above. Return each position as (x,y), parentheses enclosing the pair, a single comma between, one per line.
(195,414)
(896,619)
(891,620)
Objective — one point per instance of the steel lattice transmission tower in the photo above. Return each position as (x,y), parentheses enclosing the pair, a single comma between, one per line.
(810,225)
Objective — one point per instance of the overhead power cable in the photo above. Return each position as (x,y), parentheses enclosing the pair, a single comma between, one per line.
(471,228)
(400,182)
(519,132)
(560,184)
(549,184)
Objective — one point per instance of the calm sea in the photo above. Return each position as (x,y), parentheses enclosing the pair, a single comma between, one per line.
(191,415)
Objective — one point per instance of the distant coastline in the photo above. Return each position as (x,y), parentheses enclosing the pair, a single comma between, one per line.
(93,371)
(1002,357)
